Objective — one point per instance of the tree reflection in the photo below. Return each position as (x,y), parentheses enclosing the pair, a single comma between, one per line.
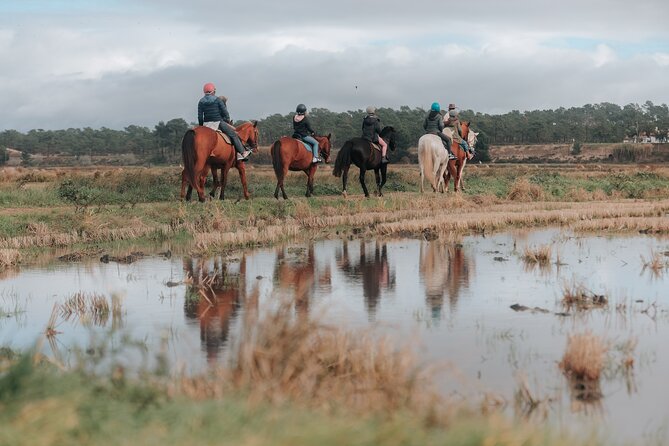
(371,266)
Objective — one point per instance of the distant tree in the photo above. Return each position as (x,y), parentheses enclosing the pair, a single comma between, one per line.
(4,156)
(26,159)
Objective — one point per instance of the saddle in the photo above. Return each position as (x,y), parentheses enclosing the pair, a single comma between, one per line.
(376,146)
(225,137)
(306,146)
(214,126)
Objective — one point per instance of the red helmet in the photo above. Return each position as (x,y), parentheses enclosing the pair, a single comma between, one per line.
(209,88)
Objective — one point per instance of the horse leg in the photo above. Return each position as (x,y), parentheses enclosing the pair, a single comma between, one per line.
(310,179)
(284,174)
(214,175)
(422,177)
(241,167)
(362,181)
(200,169)
(344,180)
(184,181)
(223,182)
(377,179)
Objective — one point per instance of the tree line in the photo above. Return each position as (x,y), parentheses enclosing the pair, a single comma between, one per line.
(591,123)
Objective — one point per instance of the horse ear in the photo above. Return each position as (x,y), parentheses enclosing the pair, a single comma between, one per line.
(255,123)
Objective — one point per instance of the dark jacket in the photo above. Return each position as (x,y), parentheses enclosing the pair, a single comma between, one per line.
(371,128)
(211,108)
(434,123)
(302,128)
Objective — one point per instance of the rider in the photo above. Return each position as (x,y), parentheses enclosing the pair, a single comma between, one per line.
(212,113)
(434,125)
(371,131)
(454,123)
(302,130)
(447,117)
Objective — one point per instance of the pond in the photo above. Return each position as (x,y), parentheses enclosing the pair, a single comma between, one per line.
(452,299)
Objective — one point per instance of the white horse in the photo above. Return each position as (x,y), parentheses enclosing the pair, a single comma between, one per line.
(432,160)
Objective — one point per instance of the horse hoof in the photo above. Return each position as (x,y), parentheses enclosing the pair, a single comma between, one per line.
(345,194)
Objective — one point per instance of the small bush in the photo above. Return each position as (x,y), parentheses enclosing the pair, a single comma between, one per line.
(576,148)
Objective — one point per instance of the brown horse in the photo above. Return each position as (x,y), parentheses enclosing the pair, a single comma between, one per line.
(456,167)
(291,154)
(202,149)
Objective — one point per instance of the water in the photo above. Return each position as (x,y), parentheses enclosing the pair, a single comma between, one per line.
(451,299)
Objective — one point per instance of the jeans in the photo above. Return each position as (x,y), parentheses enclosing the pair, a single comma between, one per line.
(230,131)
(465,146)
(313,143)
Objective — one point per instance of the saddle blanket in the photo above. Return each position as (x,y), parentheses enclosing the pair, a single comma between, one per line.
(214,126)
(306,146)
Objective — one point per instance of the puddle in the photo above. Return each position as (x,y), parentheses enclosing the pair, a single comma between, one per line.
(454,299)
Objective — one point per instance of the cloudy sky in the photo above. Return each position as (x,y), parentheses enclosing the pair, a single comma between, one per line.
(78,63)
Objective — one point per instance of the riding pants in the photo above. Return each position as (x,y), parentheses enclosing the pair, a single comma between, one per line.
(230,131)
(384,146)
(313,143)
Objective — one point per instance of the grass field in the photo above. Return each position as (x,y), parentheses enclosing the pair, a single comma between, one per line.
(80,209)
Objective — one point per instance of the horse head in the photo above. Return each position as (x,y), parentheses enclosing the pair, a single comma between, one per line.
(325,145)
(388,134)
(248,133)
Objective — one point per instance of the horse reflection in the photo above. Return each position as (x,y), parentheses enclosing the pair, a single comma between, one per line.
(444,270)
(296,272)
(372,267)
(211,301)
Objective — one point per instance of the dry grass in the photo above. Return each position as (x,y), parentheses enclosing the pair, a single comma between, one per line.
(9,257)
(655,263)
(284,358)
(581,298)
(91,307)
(540,255)
(585,356)
(523,190)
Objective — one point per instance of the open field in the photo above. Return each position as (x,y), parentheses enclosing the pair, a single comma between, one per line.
(80,209)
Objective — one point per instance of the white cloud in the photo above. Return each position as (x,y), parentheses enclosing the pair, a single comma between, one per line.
(662,59)
(603,55)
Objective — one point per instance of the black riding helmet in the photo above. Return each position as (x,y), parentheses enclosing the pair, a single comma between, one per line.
(301,109)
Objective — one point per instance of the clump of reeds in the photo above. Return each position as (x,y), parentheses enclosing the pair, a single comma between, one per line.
(286,358)
(93,307)
(9,257)
(523,190)
(540,255)
(579,297)
(585,356)
(655,263)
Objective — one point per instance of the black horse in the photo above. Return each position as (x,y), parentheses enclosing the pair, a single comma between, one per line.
(359,151)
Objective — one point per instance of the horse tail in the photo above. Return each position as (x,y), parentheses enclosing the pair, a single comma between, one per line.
(426,159)
(276,158)
(343,159)
(188,155)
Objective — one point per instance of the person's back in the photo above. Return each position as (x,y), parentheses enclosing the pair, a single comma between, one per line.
(434,125)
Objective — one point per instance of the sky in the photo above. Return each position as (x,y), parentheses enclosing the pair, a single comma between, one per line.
(114,63)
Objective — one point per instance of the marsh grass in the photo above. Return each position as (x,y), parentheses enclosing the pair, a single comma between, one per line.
(92,307)
(585,356)
(656,263)
(539,255)
(577,296)
(9,257)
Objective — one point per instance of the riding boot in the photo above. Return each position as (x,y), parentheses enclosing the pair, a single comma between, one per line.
(242,152)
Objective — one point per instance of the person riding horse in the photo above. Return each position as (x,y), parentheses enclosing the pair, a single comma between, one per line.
(371,131)
(454,122)
(302,130)
(434,125)
(213,113)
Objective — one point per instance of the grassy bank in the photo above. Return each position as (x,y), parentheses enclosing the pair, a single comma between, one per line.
(291,382)
(85,209)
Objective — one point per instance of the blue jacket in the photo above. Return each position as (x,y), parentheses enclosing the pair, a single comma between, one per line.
(211,108)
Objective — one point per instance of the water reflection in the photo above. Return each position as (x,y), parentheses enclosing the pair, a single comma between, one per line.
(297,272)
(212,298)
(444,269)
(367,262)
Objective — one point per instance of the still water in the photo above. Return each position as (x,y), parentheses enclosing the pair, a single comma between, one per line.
(451,300)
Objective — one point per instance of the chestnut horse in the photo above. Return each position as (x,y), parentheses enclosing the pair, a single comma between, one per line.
(456,166)
(203,148)
(360,152)
(291,154)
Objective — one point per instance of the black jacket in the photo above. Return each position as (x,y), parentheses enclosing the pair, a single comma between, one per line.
(302,128)
(371,128)
(211,108)
(434,123)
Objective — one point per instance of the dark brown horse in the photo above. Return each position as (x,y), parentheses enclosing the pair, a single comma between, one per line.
(202,149)
(291,154)
(456,167)
(360,152)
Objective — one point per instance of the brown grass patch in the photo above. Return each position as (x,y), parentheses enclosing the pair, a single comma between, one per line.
(523,190)
(585,356)
(540,255)
(9,257)
(91,307)
(579,297)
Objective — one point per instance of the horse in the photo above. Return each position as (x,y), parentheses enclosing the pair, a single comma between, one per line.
(291,154)
(456,166)
(360,152)
(432,160)
(203,148)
